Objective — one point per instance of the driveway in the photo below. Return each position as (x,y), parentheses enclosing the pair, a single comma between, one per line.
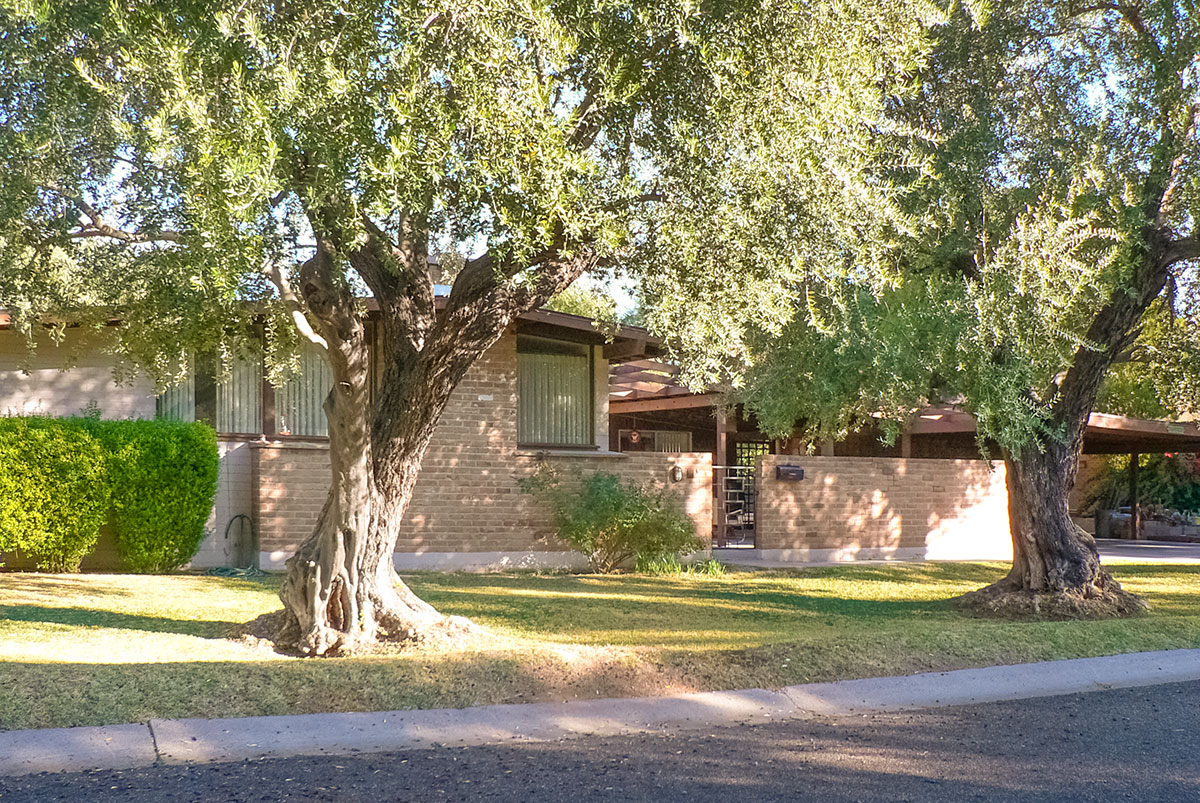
(1149,551)
(1128,744)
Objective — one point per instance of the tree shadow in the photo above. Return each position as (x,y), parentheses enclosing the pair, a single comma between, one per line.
(91,617)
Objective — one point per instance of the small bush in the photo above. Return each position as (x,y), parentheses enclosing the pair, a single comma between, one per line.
(61,479)
(162,475)
(53,493)
(613,522)
(707,568)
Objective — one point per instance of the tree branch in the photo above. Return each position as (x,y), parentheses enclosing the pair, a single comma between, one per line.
(1181,251)
(1174,178)
(97,227)
(279,278)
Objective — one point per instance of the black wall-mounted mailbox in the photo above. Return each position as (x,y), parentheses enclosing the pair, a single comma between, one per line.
(789,473)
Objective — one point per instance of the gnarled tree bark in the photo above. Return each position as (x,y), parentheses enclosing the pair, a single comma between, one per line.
(341,590)
(1056,568)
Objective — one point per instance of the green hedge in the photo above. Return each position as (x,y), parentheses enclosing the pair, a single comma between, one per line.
(62,478)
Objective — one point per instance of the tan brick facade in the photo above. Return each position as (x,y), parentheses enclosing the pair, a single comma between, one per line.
(467,499)
(883,507)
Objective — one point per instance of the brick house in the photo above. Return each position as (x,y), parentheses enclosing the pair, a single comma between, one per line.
(927,497)
(554,388)
(539,394)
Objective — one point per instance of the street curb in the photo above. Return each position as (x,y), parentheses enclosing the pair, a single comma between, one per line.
(196,741)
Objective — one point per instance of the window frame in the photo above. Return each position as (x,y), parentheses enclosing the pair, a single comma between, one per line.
(590,353)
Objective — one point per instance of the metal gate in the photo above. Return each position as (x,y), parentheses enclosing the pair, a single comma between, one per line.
(735,490)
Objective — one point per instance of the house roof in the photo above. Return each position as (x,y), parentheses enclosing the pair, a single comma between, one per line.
(1105,433)
(634,391)
(621,343)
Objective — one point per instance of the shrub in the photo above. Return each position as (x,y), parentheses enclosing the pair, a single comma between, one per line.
(162,475)
(53,493)
(1165,482)
(62,478)
(612,522)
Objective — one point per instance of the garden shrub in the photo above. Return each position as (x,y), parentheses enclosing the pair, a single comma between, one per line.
(61,479)
(1166,482)
(614,523)
(53,492)
(162,475)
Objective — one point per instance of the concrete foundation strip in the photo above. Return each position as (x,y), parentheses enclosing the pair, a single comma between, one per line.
(184,741)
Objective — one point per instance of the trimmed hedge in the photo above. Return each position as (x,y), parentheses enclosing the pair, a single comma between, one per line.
(62,478)
(53,491)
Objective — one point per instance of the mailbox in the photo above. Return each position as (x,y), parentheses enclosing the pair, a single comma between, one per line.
(789,473)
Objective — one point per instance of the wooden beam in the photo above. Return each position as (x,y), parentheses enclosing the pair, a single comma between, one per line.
(721,458)
(665,403)
(624,349)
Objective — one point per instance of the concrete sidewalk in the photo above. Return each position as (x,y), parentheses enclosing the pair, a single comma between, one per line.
(185,741)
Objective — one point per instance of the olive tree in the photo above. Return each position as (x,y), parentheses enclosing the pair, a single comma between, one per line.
(1042,184)
(175,162)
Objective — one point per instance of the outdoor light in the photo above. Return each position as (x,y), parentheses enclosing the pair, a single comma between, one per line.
(676,473)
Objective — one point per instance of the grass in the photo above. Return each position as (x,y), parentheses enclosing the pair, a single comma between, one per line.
(100,649)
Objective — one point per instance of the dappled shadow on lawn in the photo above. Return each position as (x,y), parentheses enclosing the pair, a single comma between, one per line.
(674,609)
(91,617)
(32,586)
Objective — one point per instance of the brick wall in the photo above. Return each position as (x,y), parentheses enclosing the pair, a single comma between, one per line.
(883,507)
(467,499)
(49,390)
(235,496)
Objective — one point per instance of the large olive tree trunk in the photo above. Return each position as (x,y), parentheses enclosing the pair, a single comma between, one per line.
(1056,569)
(341,590)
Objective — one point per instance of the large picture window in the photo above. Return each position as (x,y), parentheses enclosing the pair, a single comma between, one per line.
(555,394)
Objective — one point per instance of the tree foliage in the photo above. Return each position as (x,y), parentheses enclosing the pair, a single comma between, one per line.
(159,154)
(1038,188)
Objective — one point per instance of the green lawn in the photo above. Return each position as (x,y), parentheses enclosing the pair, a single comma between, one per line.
(95,649)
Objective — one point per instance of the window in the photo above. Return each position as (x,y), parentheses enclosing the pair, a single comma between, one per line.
(555,395)
(299,403)
(232,405)
(654,440)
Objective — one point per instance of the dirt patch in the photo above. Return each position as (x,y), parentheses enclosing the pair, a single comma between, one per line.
(1001,601)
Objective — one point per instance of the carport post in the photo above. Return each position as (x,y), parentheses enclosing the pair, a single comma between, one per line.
(1135,518)
(720,460)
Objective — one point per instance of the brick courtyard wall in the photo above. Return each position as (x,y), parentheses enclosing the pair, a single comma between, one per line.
(882,507)
(468,498)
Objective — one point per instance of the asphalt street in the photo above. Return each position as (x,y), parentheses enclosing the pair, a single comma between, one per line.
(1131,744)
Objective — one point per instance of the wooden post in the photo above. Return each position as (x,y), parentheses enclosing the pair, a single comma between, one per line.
(268,392)
(721,458)
(1135,517)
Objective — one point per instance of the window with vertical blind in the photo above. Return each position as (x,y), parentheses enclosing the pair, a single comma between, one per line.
(239,398)
(555,393)
(299,404)
(232,404)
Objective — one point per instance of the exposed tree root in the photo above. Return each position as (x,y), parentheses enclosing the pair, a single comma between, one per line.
(1104,599)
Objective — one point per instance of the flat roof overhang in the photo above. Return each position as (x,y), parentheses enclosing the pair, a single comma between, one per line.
(621,343)
(1105,433)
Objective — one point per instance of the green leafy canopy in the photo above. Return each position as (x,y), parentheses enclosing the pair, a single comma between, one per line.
(160,154)
(1034,187)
